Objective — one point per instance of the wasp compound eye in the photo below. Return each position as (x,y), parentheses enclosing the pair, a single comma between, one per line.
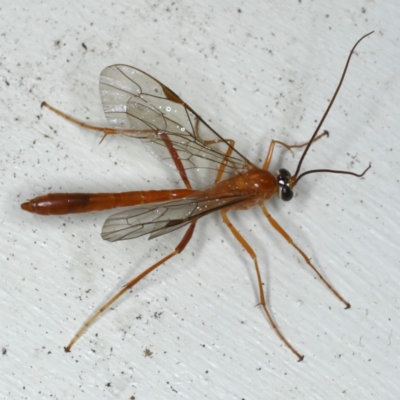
(285,192)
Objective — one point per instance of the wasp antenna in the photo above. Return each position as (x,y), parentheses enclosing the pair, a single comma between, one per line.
(330,104)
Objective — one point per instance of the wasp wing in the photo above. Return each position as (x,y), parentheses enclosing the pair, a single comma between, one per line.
(159,219)
(142,107)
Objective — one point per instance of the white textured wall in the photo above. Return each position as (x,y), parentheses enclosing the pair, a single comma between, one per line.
(266,71)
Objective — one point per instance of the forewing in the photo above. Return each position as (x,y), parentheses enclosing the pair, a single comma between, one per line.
(159,219)
(144,108)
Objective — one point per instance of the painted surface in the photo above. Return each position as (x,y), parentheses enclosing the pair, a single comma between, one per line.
(255,71)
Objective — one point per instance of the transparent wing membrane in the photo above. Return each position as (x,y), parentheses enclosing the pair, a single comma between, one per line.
(159,219)
(144,108)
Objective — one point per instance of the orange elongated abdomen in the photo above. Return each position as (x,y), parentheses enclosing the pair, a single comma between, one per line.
(70,203)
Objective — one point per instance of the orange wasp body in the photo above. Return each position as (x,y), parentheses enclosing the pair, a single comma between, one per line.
(141,107)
